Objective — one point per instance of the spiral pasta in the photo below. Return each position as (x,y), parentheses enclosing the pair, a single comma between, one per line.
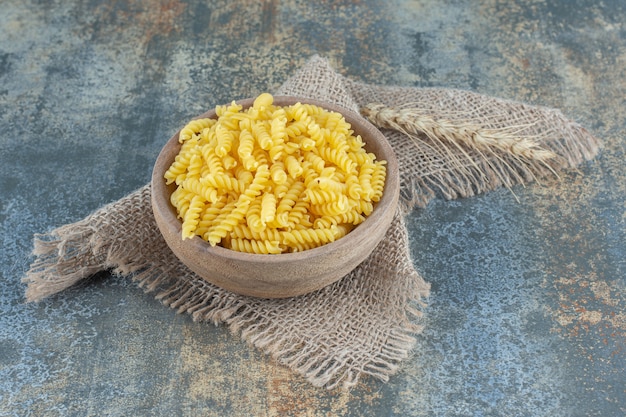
(192,216)
(194,127)
(271,179)
(255,246)
(309,238)
(246,146)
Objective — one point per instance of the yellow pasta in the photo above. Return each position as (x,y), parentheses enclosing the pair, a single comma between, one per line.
(207,218)
(268,208)
(242,231)
(255,246)
(201,187)
(181,199)
(277,171)
(195,166)
(271,179)
(331,208)
(377,181)
(225,139)
(242,175)
(317,162)
(278,134)
(317,196)
(298,113)
(345,219)
(260,156)
(309,238)
(225,182)
(281,189)
(294,168)
(295,190)
(340,158)
(178,169)
(192,216)
(212,161)
(264,100)
(253,217)
(296,128)
(298,214)
(246,146)
(261,133)
(194,127)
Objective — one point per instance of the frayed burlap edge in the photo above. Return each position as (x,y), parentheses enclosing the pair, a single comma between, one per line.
(364,324)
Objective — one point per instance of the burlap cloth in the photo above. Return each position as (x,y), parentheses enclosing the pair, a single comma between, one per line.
(366,323)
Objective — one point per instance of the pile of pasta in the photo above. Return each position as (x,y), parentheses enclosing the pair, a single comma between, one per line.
(270,179)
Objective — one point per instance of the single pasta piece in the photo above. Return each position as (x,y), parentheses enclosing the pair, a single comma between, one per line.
(294,168)
(268,208)
(277,171)
(192,216)
(242,231)
(261,133)
(194,127)
(244,151)
(253,217)
(255,246)
(263,100)
(308,238)
(207,218)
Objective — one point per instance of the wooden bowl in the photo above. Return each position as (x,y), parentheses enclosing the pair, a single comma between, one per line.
(286,274)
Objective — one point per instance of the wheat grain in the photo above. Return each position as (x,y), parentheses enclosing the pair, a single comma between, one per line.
(498,148)
(413,121)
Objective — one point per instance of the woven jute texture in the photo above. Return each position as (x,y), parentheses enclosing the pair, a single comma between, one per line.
(365,324)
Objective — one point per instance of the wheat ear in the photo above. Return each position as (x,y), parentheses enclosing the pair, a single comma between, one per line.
(472,135)
(464,136)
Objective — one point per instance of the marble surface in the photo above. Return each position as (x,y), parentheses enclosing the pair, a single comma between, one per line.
(527,315)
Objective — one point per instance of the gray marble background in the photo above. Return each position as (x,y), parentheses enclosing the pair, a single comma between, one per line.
(527,315)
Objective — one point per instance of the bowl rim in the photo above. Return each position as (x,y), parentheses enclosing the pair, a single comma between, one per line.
(388,200)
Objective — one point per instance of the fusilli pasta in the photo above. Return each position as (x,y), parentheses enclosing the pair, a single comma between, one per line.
(271,179)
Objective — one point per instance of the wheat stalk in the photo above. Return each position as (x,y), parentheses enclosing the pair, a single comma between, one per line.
(464,136)
(414,121)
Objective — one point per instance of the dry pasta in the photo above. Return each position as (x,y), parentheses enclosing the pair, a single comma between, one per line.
(271,179)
